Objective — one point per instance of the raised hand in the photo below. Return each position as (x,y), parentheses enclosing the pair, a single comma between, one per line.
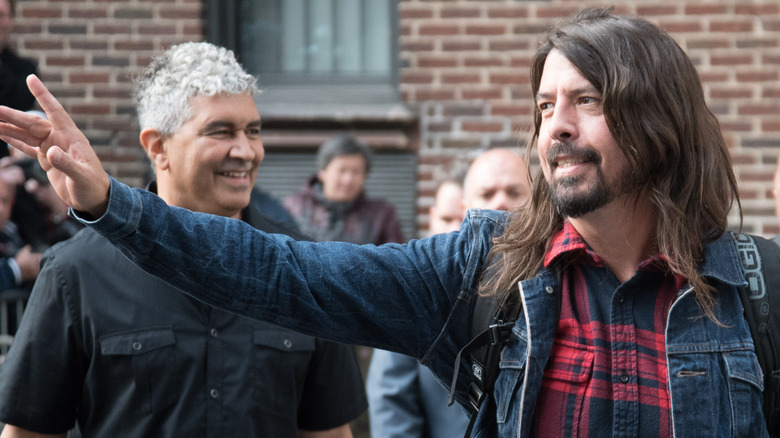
(64,152)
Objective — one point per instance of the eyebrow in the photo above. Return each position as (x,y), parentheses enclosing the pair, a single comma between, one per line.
(217,124)
(575,92)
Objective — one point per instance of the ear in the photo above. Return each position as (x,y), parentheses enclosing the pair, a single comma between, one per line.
(153,143)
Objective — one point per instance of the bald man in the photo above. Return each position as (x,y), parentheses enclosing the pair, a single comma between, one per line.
(447,211)
(496,180)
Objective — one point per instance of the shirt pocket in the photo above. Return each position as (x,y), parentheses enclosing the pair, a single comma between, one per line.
(745,393)
(146,357)
(281,363)
(565,385)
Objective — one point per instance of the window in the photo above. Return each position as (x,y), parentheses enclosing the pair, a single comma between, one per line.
(313,51)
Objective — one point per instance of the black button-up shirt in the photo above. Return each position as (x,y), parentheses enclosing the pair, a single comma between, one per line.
(129,355)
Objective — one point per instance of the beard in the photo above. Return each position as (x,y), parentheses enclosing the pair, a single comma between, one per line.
(564,193)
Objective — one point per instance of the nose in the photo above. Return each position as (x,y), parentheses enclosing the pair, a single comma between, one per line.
(562,124)
(247,148)
(500,201)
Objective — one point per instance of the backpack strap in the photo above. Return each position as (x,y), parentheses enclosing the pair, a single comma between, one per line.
(761,299)
(489,332)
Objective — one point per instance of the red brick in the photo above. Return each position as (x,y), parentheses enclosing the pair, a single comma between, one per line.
(481,126)
(461,46)
(416,77)
(711,76)
(439,29)
(88,78)
(510,110)
(460,12)
(114,29)
(745,59)
(429,61)
(555,11)
(417,46)
(90,109)
(730,93)
(759,109)
(434,94)
(736,126)
(482,93)
(770,125)
(486,29)
(508,78)
(707,43)
(519,11)
(482,61)
(30,12)
(705,9)
(731,26)
(771,93)
(648,11)
(507,45)
(758,76)
(91,13)
(460,78)
(765,9)
(65,61)
(406,13)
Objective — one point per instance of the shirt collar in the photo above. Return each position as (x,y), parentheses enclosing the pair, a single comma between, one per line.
(569,244)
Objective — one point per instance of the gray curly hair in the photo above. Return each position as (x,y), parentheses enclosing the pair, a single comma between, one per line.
(164,89)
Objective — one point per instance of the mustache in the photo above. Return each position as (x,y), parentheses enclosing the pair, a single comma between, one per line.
(584,153)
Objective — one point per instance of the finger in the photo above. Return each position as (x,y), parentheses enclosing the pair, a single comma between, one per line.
(24,130)
(51,106)
(22,146)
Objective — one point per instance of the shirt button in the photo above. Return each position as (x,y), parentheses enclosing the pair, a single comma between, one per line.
(624,377)
(137,346)
(213,332)
(621,298)
(287,343)
(214,393)
(548,289)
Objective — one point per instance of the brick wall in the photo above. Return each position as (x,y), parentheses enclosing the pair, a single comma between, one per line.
(464,69)
(87,53)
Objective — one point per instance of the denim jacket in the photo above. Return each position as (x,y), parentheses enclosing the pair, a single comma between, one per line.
(416,299)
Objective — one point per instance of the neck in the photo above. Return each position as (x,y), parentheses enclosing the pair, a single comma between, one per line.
(622,233)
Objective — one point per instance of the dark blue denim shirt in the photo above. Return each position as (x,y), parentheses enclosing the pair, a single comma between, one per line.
(416,298)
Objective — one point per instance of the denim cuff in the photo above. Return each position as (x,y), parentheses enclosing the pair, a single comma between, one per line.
(122,215)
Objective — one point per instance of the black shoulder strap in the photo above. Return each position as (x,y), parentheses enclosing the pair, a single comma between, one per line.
(761,299)
(489,331)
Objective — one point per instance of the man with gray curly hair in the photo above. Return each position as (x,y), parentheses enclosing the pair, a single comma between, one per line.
(136,357)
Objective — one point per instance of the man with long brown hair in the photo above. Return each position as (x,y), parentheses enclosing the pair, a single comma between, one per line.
(629,320)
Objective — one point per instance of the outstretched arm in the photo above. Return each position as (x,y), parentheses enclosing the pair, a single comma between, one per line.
(64,152)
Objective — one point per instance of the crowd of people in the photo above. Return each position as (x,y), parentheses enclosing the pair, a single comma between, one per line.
(613,259)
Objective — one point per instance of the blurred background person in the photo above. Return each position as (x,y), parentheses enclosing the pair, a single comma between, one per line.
(447,211)
(333,204)
(404,398)
(13,69)
(496,180)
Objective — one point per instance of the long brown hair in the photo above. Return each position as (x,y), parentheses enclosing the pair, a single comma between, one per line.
(654,107)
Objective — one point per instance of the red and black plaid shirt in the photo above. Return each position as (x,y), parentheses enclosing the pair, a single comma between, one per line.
(607,372)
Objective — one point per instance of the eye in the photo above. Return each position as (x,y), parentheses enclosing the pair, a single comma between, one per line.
(253,132)
(221,133)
